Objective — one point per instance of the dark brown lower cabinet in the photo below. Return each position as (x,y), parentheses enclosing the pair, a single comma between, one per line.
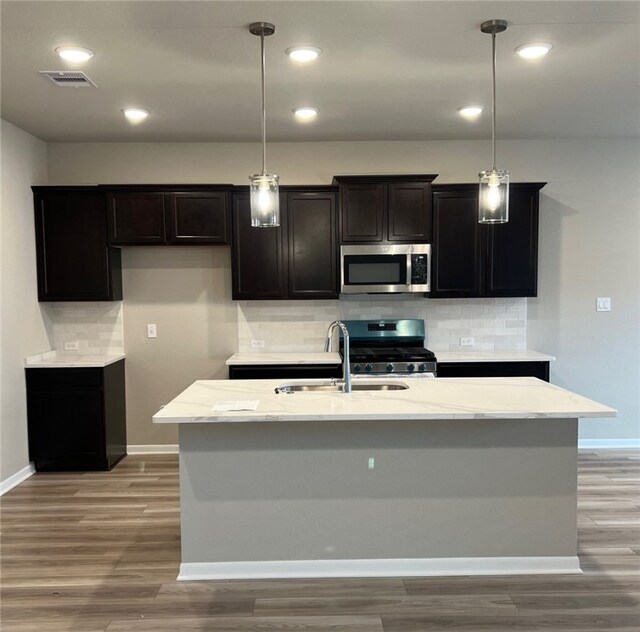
(284,371)
(494,369)
(76,417)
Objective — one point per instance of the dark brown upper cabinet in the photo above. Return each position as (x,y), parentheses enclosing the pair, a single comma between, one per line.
(136,218)
(167,214)
(311,244)
(297,260)
(394,209)
(74,261)
(471,259)
(198,217)
(455,254)
(256,256)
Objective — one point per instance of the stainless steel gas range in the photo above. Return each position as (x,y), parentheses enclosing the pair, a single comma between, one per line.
(389,347)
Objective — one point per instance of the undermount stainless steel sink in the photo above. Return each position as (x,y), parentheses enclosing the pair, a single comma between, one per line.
(314,387)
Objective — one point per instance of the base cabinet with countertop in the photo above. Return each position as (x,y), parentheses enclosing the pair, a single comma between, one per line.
(76,417)
(295,365)
(478,476)
(494,369)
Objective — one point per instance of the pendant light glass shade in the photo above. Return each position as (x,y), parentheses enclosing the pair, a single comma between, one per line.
(493,194)
(265,200)
(264,195)
(493,204)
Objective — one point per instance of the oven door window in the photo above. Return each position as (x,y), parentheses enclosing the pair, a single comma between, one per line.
(375,269)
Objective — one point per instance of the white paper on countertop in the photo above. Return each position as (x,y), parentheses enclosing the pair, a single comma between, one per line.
(239,404)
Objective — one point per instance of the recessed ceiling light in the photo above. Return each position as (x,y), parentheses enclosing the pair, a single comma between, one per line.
(73,53)
(534,50)
(305,113)
(470,112)
(303,53)
(135,115)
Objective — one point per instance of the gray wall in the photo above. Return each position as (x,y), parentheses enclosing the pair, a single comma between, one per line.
(590,224)
(186,292)
(24,328)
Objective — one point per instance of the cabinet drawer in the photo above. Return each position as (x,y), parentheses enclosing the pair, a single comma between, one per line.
(284,371)
(494,369)
(64,378)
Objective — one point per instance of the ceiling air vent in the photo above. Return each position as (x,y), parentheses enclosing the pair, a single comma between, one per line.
(68,79)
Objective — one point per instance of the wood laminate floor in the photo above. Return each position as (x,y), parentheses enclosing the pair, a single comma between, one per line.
(99,552)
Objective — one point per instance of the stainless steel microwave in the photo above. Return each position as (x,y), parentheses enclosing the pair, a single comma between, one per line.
(385,268)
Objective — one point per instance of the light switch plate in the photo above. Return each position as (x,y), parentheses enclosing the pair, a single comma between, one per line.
(603,304)
(152,332)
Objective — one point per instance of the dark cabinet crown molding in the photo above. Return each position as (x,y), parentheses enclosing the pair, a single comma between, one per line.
(367,179)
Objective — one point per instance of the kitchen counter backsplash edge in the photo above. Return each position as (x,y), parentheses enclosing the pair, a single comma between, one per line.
(267,358)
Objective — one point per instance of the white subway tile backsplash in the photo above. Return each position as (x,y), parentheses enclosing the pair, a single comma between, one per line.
(97,327)
(495,323)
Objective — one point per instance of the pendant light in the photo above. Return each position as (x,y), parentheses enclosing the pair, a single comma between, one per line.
(493,199)
(264,195)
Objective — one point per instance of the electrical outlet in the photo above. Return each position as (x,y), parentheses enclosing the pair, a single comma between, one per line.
(372,462)
(603,304)
(467,341)
(152,332)
(257,344)
(71,345)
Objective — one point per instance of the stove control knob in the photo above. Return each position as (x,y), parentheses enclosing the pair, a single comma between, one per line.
(368,368)
(356,368)
(411,368)
(389,368)
(422,367)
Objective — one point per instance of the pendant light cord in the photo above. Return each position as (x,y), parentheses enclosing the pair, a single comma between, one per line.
(264,112)
(493,105)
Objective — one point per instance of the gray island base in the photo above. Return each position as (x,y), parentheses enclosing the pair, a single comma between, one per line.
(333,485)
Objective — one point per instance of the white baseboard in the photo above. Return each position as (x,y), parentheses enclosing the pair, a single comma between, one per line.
(427,567)
(605,444)
(17,478)
(162,448)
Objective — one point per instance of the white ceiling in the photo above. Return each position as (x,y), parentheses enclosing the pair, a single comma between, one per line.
(389,70)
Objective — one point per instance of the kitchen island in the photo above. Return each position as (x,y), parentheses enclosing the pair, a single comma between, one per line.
(446,477)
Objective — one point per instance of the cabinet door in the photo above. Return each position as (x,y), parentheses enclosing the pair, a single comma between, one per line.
(512,254)
(136,218)
(73,260)
(312,249)
(256,256)
(456,244)
(65,427)
(409,212)
(198,218)
(363,209)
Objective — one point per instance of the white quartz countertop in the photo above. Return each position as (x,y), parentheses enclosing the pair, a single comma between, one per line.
(266,358)
(493,356)
(460,398)
(56,360)
(284,358)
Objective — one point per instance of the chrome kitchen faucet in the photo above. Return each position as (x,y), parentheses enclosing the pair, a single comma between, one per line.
(346,369)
